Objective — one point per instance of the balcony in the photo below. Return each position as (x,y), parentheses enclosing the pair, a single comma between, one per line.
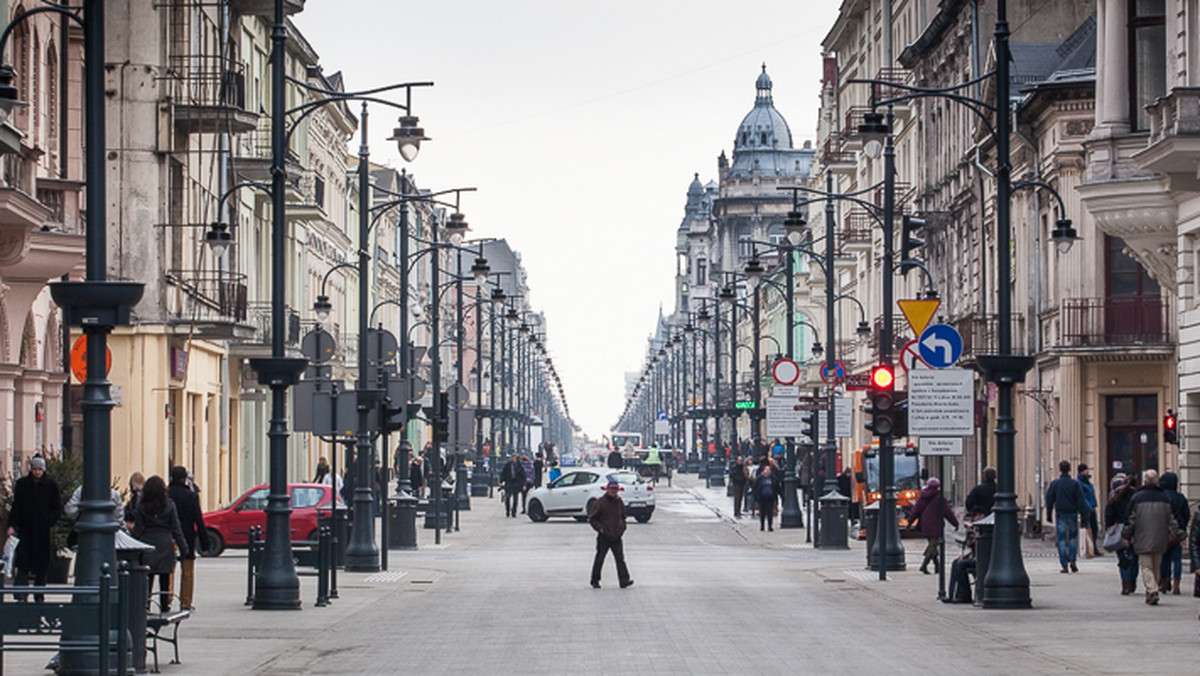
(258,317)
(879,92)
(252,162)
(1174,139)
(209,305)
(209,93)
(857,233)
(1115,321)
(836,157)
(855,116)
(265,7)
(979,334)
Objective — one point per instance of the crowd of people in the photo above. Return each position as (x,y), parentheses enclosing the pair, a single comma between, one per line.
(167,517)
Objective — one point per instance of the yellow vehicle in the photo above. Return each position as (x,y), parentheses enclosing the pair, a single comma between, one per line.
(866,480)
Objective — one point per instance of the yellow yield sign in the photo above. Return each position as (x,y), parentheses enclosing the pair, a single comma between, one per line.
(919,312)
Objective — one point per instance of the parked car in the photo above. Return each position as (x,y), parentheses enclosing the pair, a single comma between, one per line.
(230,526)
(574,493)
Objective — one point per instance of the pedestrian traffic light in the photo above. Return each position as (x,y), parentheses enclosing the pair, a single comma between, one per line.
(883,384)
(1170,432)
(809,426)
(909,241)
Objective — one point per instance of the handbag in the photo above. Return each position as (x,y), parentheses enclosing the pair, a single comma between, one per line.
(8,561)
(1112,538)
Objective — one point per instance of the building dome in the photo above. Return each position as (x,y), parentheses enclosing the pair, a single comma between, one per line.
(763,128)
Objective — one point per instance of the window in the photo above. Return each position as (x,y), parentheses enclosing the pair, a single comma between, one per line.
(701,272)
(1147,58)
(1126,277)
(319,191)
(256,501)
(306,497)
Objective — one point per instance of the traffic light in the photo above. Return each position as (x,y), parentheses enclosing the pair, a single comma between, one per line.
(883,393)
(909,241)
(1170,432)
(809,426)
(900,408)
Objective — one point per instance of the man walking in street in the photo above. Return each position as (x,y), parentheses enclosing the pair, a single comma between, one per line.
(1150,530)
(36,506)
(1064,504)
(1087,519)
(614,459)
(191,519)
(608,520)
(512,477)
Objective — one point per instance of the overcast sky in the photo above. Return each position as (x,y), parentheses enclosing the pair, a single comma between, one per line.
(581,123)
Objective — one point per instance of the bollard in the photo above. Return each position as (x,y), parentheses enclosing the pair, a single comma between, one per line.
(323,561)
(870,521)
(134,574)
(251,562)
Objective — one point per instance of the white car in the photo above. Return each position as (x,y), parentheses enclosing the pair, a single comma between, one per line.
(574,493)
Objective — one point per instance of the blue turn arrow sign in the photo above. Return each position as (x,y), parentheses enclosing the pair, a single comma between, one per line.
(940,345)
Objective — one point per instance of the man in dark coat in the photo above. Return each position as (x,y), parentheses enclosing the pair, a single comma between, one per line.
(983,496)
(512,477)
(36,506)
(608,520)
(737,484)
(1150,529)
(614,459)
(191,520)
(766,490)
(1064,498)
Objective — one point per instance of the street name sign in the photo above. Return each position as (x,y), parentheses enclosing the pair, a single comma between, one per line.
(941,403)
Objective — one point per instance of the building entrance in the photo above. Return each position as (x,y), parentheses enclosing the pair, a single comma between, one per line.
(1133,443)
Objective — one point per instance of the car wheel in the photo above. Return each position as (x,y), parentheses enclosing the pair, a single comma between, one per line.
(314,535)
(216,544)
(535,511)
(642,518)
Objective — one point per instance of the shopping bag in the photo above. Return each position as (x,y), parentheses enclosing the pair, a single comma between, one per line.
(10,553)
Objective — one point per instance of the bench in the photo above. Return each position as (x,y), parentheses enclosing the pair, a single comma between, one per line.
(39,625)
(157,624)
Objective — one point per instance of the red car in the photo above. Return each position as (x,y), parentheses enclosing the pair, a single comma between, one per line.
(229,527)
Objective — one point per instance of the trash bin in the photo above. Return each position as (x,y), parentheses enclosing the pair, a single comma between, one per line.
(129,550)
(338,520)
(477,477)
(402,529)
(431,511)
(716,473)
(983,552)
(835,508)
(870,520)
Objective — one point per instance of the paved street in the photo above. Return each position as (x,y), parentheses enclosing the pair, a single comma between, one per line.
(711,597)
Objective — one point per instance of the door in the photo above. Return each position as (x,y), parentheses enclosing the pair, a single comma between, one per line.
(1133,444)
(1133,303)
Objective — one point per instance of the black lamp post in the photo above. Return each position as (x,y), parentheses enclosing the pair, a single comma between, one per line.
(97,305)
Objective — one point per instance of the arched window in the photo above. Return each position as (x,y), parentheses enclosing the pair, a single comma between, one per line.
(52,86)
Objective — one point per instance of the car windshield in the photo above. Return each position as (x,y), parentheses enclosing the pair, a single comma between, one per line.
(626,477)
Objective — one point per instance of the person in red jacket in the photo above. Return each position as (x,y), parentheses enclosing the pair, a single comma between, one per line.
(929,511)
(608,520)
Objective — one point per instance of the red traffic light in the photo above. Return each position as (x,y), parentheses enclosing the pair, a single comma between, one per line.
(882,377)
(1169,422)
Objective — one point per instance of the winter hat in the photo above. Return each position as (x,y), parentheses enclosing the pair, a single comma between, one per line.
(1118,481)
(38,462)
(933,482)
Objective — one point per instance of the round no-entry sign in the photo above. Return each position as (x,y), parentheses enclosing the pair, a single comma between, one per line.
(785,371)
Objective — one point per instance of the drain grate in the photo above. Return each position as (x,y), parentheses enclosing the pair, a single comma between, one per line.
(387,576)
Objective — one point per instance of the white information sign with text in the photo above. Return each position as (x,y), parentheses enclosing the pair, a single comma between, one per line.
(941,403)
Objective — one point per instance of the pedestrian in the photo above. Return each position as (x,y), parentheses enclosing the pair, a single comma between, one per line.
(1194,548)
(766,491)
(538,467)
(737,483)
(322,470)
(608,520)
(157,523)
(512,478)
(614,459)
(527,467)
(1087,518)
(36,506)
(71,509)
(1150,530)
(1172,564)
(416,477)
(654,462)
(845,484)
(983,495)
(929,511)
(753,469)
(555,471)
(191,522)
(1116,513)
(1064,504)
(136,482)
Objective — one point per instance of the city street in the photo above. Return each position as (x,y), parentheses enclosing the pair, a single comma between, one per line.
(711,597)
